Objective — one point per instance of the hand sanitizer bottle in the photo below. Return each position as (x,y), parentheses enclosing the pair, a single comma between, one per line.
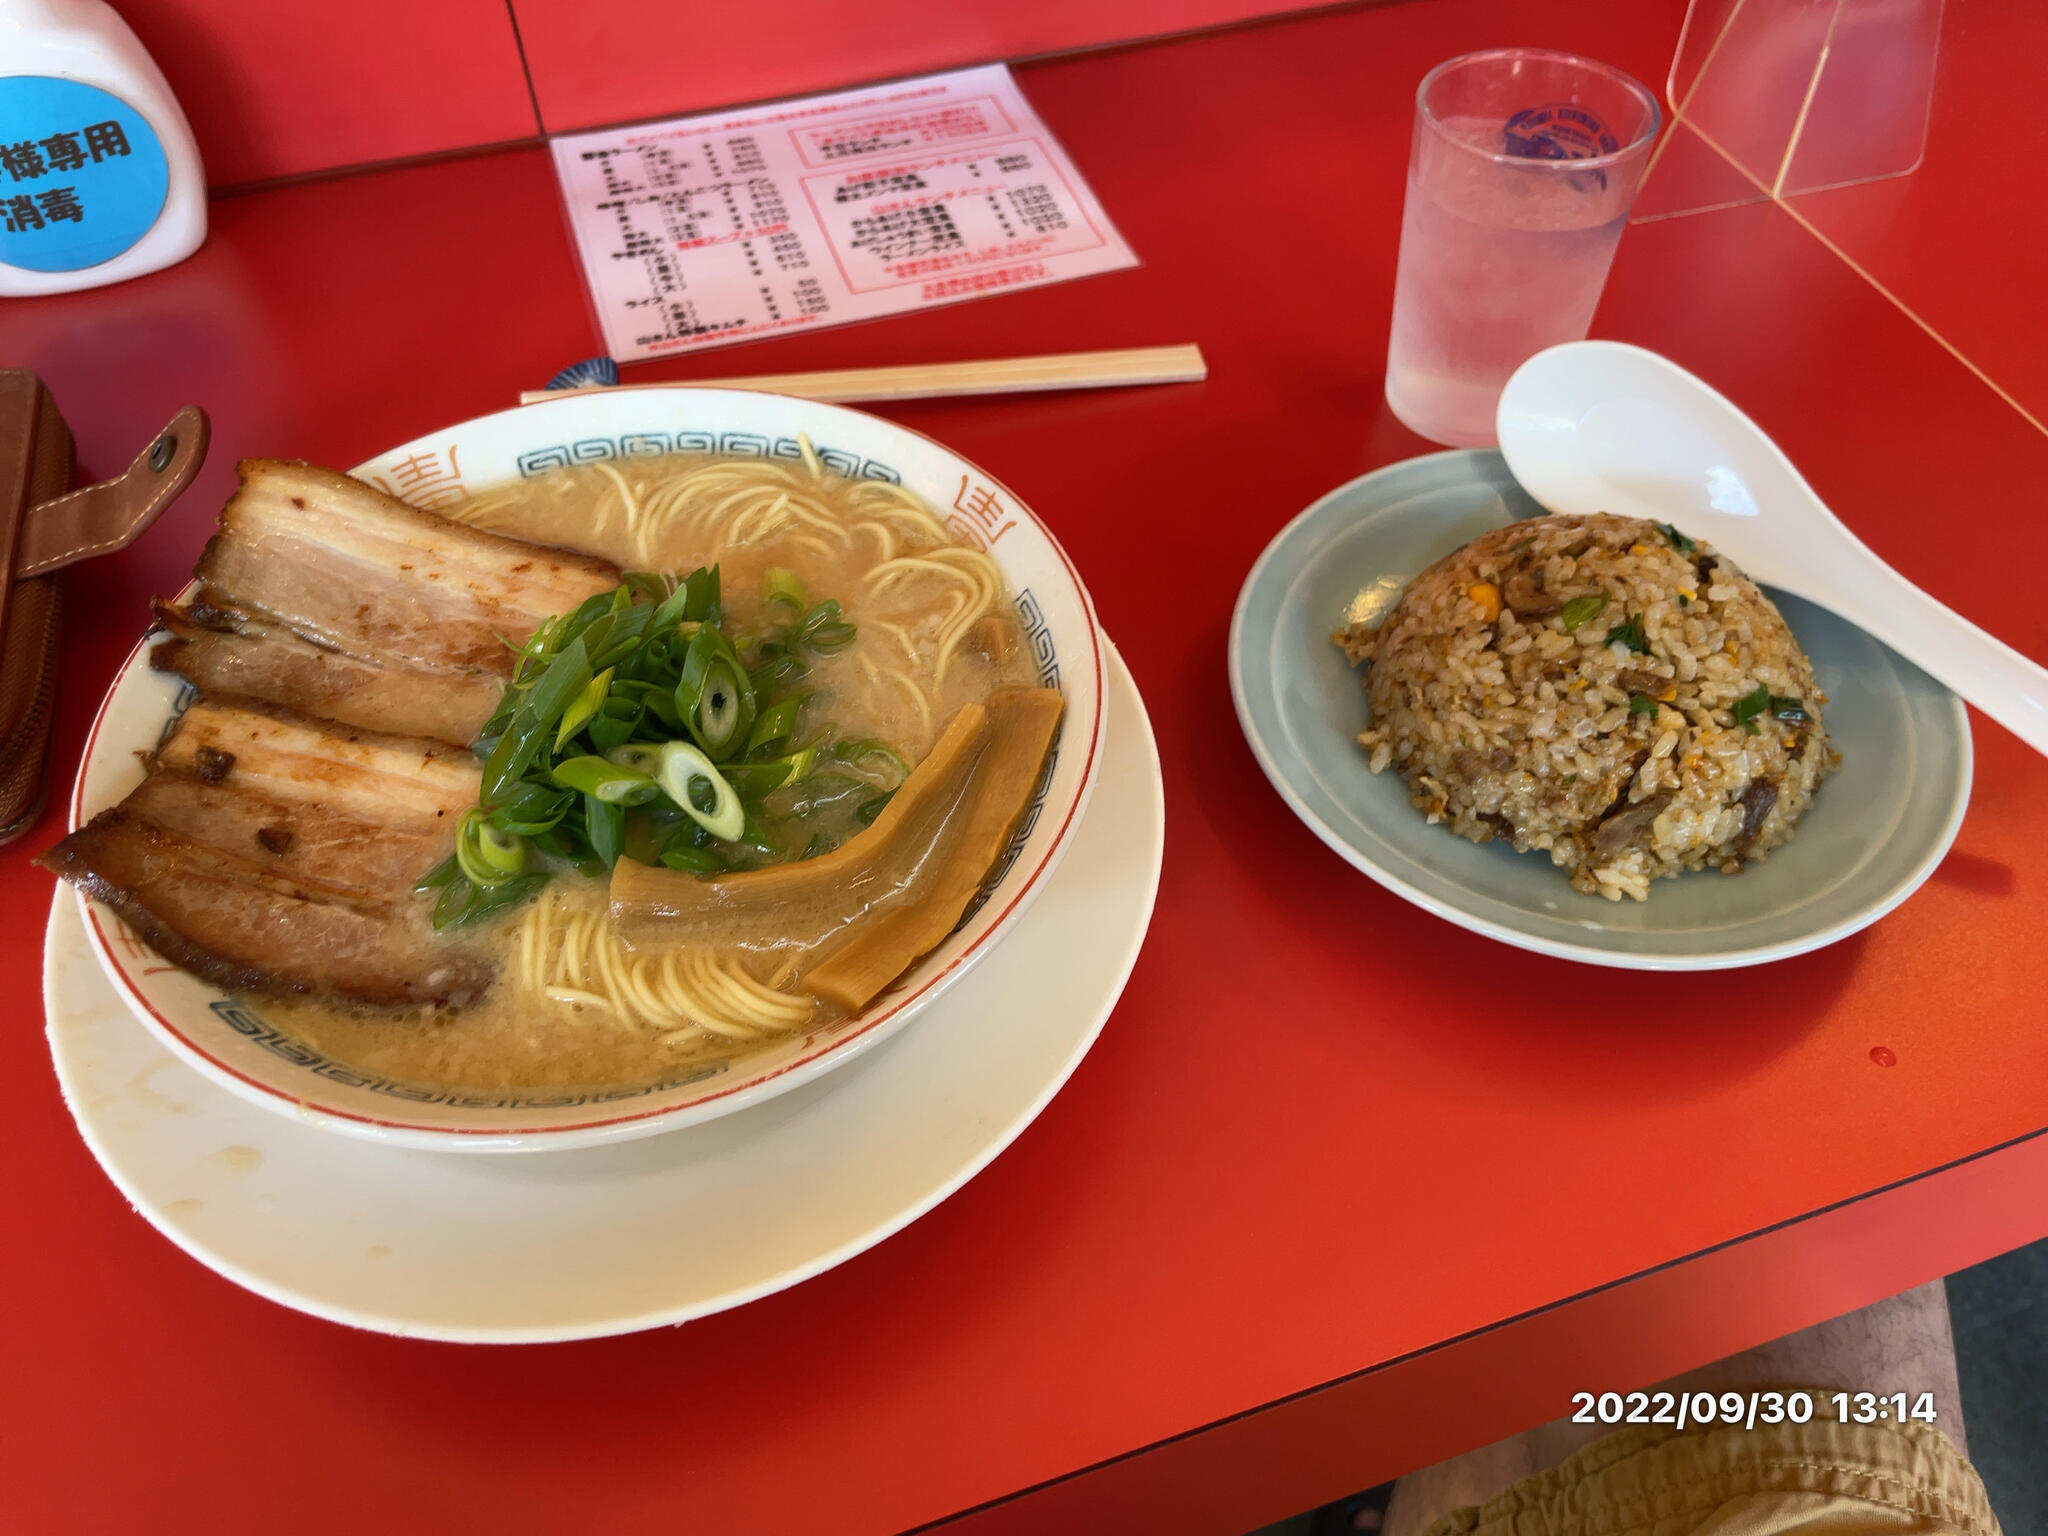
(99,177)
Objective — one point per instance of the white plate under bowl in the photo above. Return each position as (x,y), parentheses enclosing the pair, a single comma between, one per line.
(611,1239)
(1875,831)
(231,1042)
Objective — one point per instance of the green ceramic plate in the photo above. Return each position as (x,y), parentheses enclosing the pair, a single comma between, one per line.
(1876,830)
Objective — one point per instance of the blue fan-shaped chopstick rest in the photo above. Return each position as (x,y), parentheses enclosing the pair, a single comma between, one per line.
(592,370)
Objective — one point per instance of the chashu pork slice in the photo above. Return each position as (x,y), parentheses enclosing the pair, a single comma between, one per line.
(301,840)
(400,783)
(258,660)
(275,852)
(241,925)
(343,565)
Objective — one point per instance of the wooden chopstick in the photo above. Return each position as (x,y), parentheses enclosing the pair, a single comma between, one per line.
(931,381)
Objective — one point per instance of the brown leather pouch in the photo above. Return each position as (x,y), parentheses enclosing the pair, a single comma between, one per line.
(44,526)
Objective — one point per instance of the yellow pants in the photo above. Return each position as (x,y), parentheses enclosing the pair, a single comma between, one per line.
(1815,1479)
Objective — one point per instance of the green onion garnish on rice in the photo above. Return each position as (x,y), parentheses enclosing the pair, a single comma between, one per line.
(1749,706)
(1630,634)
(1580,609)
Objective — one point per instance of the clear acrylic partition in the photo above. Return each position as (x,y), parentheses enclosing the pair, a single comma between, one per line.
(1780,97)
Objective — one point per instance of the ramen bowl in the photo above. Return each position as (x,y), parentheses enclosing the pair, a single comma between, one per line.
(230,1040)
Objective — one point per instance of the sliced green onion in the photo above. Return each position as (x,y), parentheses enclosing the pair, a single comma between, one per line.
(438,876)
(753,780)
(485,855)
(1580,609)
(582,707)
(1749,706)
(454,903)
(777,723)
(621,706)
(529,829)
(704,605)
(778,665)
(564,680)
(583,615)
(654,699)
(680,854)
(501,717)
(539,647)
(725,709)
(754,839)
(1679,541)
(656,662)
(623,639)
(604,781)
(572,848)
(607,732)
(669,612)
(530,809)
(609,688)
(801,762)
(1630,634)
(513,755)
(866,812)
(597,633)
(605,825)
(1641,704)
(683,768)
(498,897)
(697,658)
(651,586)
(858,752)
(641,757)
(823,629)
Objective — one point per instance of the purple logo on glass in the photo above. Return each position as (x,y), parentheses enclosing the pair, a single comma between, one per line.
(1560,131)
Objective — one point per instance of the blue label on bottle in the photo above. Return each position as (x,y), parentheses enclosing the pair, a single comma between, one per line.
(82,174)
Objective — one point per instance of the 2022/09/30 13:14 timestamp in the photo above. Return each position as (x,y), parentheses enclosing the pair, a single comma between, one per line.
(1747,1409)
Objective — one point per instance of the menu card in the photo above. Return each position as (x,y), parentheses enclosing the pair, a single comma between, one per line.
(707,230)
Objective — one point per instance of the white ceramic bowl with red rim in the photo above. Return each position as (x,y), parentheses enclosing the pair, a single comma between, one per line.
(231,1042)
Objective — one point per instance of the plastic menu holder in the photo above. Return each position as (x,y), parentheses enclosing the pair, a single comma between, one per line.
(1774,98)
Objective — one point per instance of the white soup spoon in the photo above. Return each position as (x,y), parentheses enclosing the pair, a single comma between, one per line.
(1600,426)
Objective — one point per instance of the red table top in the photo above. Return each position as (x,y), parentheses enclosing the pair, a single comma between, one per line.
(1343,1189)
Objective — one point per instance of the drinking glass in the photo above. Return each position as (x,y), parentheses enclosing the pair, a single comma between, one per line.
(1520,176)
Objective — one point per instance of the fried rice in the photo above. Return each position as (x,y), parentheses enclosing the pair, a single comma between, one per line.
(1604,689)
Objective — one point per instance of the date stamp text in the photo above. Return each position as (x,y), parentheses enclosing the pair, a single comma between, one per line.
(1748,1409)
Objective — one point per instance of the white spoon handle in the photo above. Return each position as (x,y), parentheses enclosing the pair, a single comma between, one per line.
(2004,684)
